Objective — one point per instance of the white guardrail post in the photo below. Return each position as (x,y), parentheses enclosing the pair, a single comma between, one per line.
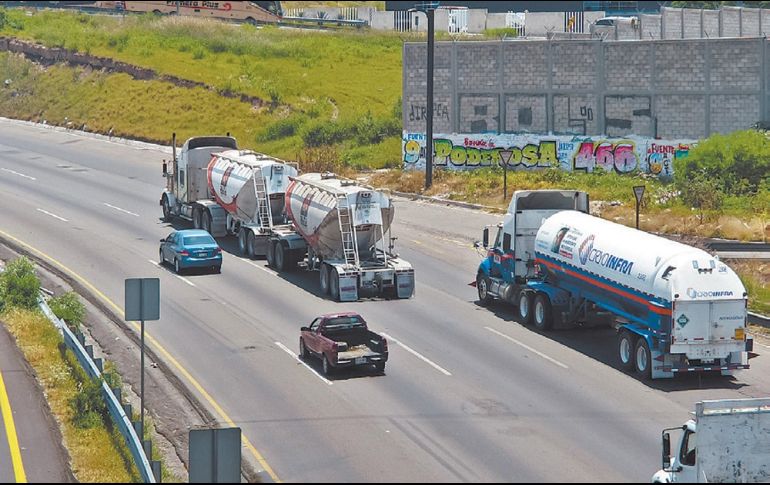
(119,416)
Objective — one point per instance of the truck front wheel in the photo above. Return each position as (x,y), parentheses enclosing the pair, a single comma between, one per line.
(482,285)
(525,307)
(626,349)
(324,278)
(542,314)
(271,254)
(166,210)
(334,285)
(642,361)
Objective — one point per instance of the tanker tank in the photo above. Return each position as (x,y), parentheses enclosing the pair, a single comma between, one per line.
(312,202)
(231,183)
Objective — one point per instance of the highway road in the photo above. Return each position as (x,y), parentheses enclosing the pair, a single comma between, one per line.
(468,395)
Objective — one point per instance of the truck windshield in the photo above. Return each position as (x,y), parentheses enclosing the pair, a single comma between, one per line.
(344,323)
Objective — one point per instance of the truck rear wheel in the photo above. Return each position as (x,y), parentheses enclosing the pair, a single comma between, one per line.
(334,285)
(271,254)
(242,242)
(324,278)
(327,367)
(196,218)
(626,349)
(482,285)
(206,221)
(642,360)
(284,259)
(251,249)
(525,307)
(542,312)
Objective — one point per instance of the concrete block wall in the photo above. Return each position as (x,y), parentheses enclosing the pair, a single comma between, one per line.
(672,22)
(691,22)
(477,20)
(710,24)
(764,17)
(665,88)
(731,22)
(649,26)
(496,21)
(750,22)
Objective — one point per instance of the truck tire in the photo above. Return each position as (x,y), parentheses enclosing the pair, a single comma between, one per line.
(524,306)
(642,359)
(166,210)
(206,221)
(626,347)
(482,285)
(251,249)
(243,242)
(303,352)
(542,312)
(323,274)
(196,218)
(271,254)
(334,285)
(326,366)
(284,258)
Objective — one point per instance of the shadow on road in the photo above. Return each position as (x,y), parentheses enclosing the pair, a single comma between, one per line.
(344,373)
(600,344)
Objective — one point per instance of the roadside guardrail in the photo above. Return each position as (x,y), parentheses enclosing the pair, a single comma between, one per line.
(93,367)
(758,319)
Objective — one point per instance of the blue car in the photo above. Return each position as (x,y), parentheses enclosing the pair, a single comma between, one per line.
(191,248)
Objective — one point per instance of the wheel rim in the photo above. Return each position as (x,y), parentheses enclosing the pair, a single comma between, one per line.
(482,289)
(539,311)
(524,306)
(641,359)
(625,350)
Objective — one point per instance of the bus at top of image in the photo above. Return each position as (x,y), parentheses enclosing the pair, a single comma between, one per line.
(251,12)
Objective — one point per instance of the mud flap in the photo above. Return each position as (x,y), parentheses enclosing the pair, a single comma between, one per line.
(348,287)
(405,285)
(658,361)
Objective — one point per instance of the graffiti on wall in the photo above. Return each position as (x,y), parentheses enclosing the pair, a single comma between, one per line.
(535,152)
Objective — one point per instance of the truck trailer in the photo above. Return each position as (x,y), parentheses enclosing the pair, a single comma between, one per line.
(727,442)
(676,308)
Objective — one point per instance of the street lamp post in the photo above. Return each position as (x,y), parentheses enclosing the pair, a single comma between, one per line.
(429,9)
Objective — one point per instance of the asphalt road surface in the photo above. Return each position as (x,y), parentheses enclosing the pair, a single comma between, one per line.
(468,395)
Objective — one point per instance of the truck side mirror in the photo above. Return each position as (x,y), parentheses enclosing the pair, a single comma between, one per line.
(485,238)
(666,451)
(506,242)
(165,168)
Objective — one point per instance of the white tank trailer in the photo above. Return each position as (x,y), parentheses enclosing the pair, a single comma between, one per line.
(676,308)
(227,191)
(346,230)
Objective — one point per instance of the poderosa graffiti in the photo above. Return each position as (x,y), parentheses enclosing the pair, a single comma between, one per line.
(484,153)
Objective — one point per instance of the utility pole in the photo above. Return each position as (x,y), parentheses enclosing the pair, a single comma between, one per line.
(429,9)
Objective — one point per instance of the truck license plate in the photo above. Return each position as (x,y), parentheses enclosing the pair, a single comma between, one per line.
(360,360)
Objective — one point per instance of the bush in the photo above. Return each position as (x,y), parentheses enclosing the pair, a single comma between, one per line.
(3,19)
(87,405)
(69,308)
(19,287)
(281,129)
(701,192)
(324,132)
(738,162)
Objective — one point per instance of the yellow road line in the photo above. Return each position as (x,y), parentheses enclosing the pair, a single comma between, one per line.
(161,349)
(10,431)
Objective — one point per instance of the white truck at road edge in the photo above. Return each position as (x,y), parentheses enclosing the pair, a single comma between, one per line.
(728,441)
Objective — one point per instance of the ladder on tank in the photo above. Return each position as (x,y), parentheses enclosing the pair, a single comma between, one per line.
(264,213)
(347,230)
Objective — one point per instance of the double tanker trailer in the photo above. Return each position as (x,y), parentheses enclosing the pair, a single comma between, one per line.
(676,308)
(331,224)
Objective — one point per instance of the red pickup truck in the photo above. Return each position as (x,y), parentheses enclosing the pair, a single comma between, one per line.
(343,340)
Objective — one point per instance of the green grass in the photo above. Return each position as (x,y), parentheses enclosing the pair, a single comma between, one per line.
(98,454)
(303,76)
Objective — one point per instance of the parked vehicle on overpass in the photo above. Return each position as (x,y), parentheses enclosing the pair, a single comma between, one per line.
(190,248)
(727,442)
(676,308)
(343,340)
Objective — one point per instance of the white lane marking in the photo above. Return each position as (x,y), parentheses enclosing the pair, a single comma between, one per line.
(52,215)
(180,277)
(763,345)
(418,355)
(528,347)
(121,210)
(259,267)
(19,174)
(296,357)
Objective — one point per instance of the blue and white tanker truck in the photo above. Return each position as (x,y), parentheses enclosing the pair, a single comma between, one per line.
(676,308)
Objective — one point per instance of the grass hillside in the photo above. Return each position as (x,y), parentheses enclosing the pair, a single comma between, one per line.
(319,88)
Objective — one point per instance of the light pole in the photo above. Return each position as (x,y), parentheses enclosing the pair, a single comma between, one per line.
(429,9)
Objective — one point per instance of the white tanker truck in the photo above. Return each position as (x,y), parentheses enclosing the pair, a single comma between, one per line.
(329,223)
(676,308)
